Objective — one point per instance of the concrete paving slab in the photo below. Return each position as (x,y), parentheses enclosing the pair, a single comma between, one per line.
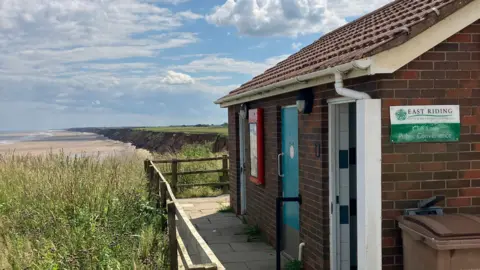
(226,239)
(262,265)
(196,214)
(218,225)
(235,266)
(202,220)
(207,212)
(209,233)
(222,216)
(221,248)
(208,206)
(225,234)
(246,256)
(250,246)
(232,231)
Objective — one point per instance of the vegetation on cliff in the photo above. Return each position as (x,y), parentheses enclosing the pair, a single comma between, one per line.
(194,151)
(59,212)
(220,130)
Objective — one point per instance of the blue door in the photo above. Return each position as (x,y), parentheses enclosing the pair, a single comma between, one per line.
(290,167)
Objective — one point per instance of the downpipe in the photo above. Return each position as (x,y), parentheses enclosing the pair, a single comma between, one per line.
(300,251)
(345,92)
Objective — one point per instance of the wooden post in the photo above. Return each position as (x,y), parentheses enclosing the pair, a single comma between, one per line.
(225,173)
(151,176)
(163,204)
(174,176)
(172,236)
(146,163)
(156,189)
(150,172)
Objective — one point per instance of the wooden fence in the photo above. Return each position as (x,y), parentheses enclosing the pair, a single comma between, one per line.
(184,240)
(175,173)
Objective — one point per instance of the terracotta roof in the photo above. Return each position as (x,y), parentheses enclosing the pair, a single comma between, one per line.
(384,28)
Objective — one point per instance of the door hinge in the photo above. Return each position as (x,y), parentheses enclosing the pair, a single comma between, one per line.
(338,199)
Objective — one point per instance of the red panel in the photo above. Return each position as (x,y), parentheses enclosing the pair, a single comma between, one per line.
(256,116)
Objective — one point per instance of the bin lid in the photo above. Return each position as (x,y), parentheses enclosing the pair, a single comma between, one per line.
(445,226)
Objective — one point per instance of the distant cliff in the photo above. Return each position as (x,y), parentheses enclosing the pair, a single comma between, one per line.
(160,142)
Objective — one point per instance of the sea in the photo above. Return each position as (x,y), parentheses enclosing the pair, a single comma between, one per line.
(70,143)
(11,137)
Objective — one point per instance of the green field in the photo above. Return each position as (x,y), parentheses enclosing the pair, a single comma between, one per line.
(189,130)
(59,212)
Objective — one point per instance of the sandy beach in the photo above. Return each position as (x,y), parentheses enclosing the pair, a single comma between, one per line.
(71,143)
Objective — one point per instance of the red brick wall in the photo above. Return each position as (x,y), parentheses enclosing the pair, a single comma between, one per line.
(313,129)
(234,157)
(448,74)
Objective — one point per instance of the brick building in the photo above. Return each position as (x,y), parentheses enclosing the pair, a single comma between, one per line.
(356,165)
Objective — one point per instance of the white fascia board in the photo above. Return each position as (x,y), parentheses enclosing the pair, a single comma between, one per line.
(326,76)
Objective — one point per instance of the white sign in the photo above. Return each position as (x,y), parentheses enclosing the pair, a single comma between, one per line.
(424,114)
(424,123)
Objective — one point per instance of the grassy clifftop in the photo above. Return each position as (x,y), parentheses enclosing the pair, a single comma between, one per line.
(189,130)
(58,212)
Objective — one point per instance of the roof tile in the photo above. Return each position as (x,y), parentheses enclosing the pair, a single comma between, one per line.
(364,37)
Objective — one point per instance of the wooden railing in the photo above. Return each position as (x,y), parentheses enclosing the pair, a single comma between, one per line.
(184,240)
(175,173)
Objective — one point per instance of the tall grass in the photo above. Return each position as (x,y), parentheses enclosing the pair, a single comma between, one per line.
(59,212)
(194,151)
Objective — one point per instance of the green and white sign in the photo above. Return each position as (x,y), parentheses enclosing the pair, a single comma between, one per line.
(425,123)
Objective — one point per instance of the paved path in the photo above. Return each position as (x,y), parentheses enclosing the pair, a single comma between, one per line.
(225,234)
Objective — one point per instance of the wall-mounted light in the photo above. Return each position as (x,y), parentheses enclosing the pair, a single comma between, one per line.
(305,101)
(243,111)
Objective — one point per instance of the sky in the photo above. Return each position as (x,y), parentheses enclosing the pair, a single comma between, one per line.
(82,63)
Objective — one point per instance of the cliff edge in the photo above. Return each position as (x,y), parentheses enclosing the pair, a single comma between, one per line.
(160,142)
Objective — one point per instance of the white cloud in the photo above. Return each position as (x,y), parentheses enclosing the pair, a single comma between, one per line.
(118,94)
(296,45)
(46,40)
(196,55)
(213,78)
(65,100)
(288,18)
(177,78)
(190,15)
(173,2)
(223,64)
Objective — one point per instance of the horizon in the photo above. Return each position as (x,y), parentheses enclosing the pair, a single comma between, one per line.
(146,63)
(112,127)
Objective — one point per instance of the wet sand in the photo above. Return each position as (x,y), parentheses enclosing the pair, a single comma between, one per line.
(71,143)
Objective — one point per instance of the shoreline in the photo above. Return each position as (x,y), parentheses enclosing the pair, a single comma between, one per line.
(68,142)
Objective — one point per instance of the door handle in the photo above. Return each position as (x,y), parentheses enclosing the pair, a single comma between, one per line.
(279,164)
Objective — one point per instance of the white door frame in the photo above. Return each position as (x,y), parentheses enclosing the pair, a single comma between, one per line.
(243,177)
(369,172)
